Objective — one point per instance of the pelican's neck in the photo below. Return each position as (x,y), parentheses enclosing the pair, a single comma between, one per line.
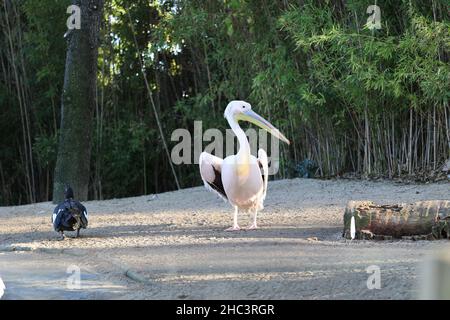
(243,154)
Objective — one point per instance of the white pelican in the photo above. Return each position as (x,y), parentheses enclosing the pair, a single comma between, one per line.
(240,179)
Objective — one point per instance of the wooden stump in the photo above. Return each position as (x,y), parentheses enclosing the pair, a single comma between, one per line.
(416,221)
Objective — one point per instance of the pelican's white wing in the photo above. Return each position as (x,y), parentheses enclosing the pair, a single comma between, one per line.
(264,164)
(211,172)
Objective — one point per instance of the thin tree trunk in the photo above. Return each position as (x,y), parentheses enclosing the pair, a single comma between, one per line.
(23,110)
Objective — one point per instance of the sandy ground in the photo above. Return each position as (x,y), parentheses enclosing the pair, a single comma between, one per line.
(172,246)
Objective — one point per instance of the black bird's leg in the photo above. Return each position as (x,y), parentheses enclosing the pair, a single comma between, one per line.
(62,236)
(78,233)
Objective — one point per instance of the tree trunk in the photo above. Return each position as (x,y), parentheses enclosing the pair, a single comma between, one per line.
(78,103)
(419,220)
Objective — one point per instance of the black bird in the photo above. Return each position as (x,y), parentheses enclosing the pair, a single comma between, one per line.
(69,215)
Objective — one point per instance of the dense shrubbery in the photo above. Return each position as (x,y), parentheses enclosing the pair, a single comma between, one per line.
(373,102)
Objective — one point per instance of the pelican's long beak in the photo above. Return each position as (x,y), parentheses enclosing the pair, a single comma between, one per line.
(253,117)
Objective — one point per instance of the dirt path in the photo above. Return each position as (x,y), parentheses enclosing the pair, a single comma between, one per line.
(174,244)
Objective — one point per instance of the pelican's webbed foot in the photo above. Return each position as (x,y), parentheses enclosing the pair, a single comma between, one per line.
(253,226)
(233,228)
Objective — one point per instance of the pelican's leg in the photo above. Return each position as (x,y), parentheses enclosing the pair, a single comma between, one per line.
(253,225)
(235,226)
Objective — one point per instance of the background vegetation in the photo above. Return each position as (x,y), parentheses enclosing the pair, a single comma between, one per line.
(352,100)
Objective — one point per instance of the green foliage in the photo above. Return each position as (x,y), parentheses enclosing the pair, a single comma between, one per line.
(45,149)
(351,99)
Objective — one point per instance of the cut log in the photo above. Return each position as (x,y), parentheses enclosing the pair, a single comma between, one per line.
(419,220)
